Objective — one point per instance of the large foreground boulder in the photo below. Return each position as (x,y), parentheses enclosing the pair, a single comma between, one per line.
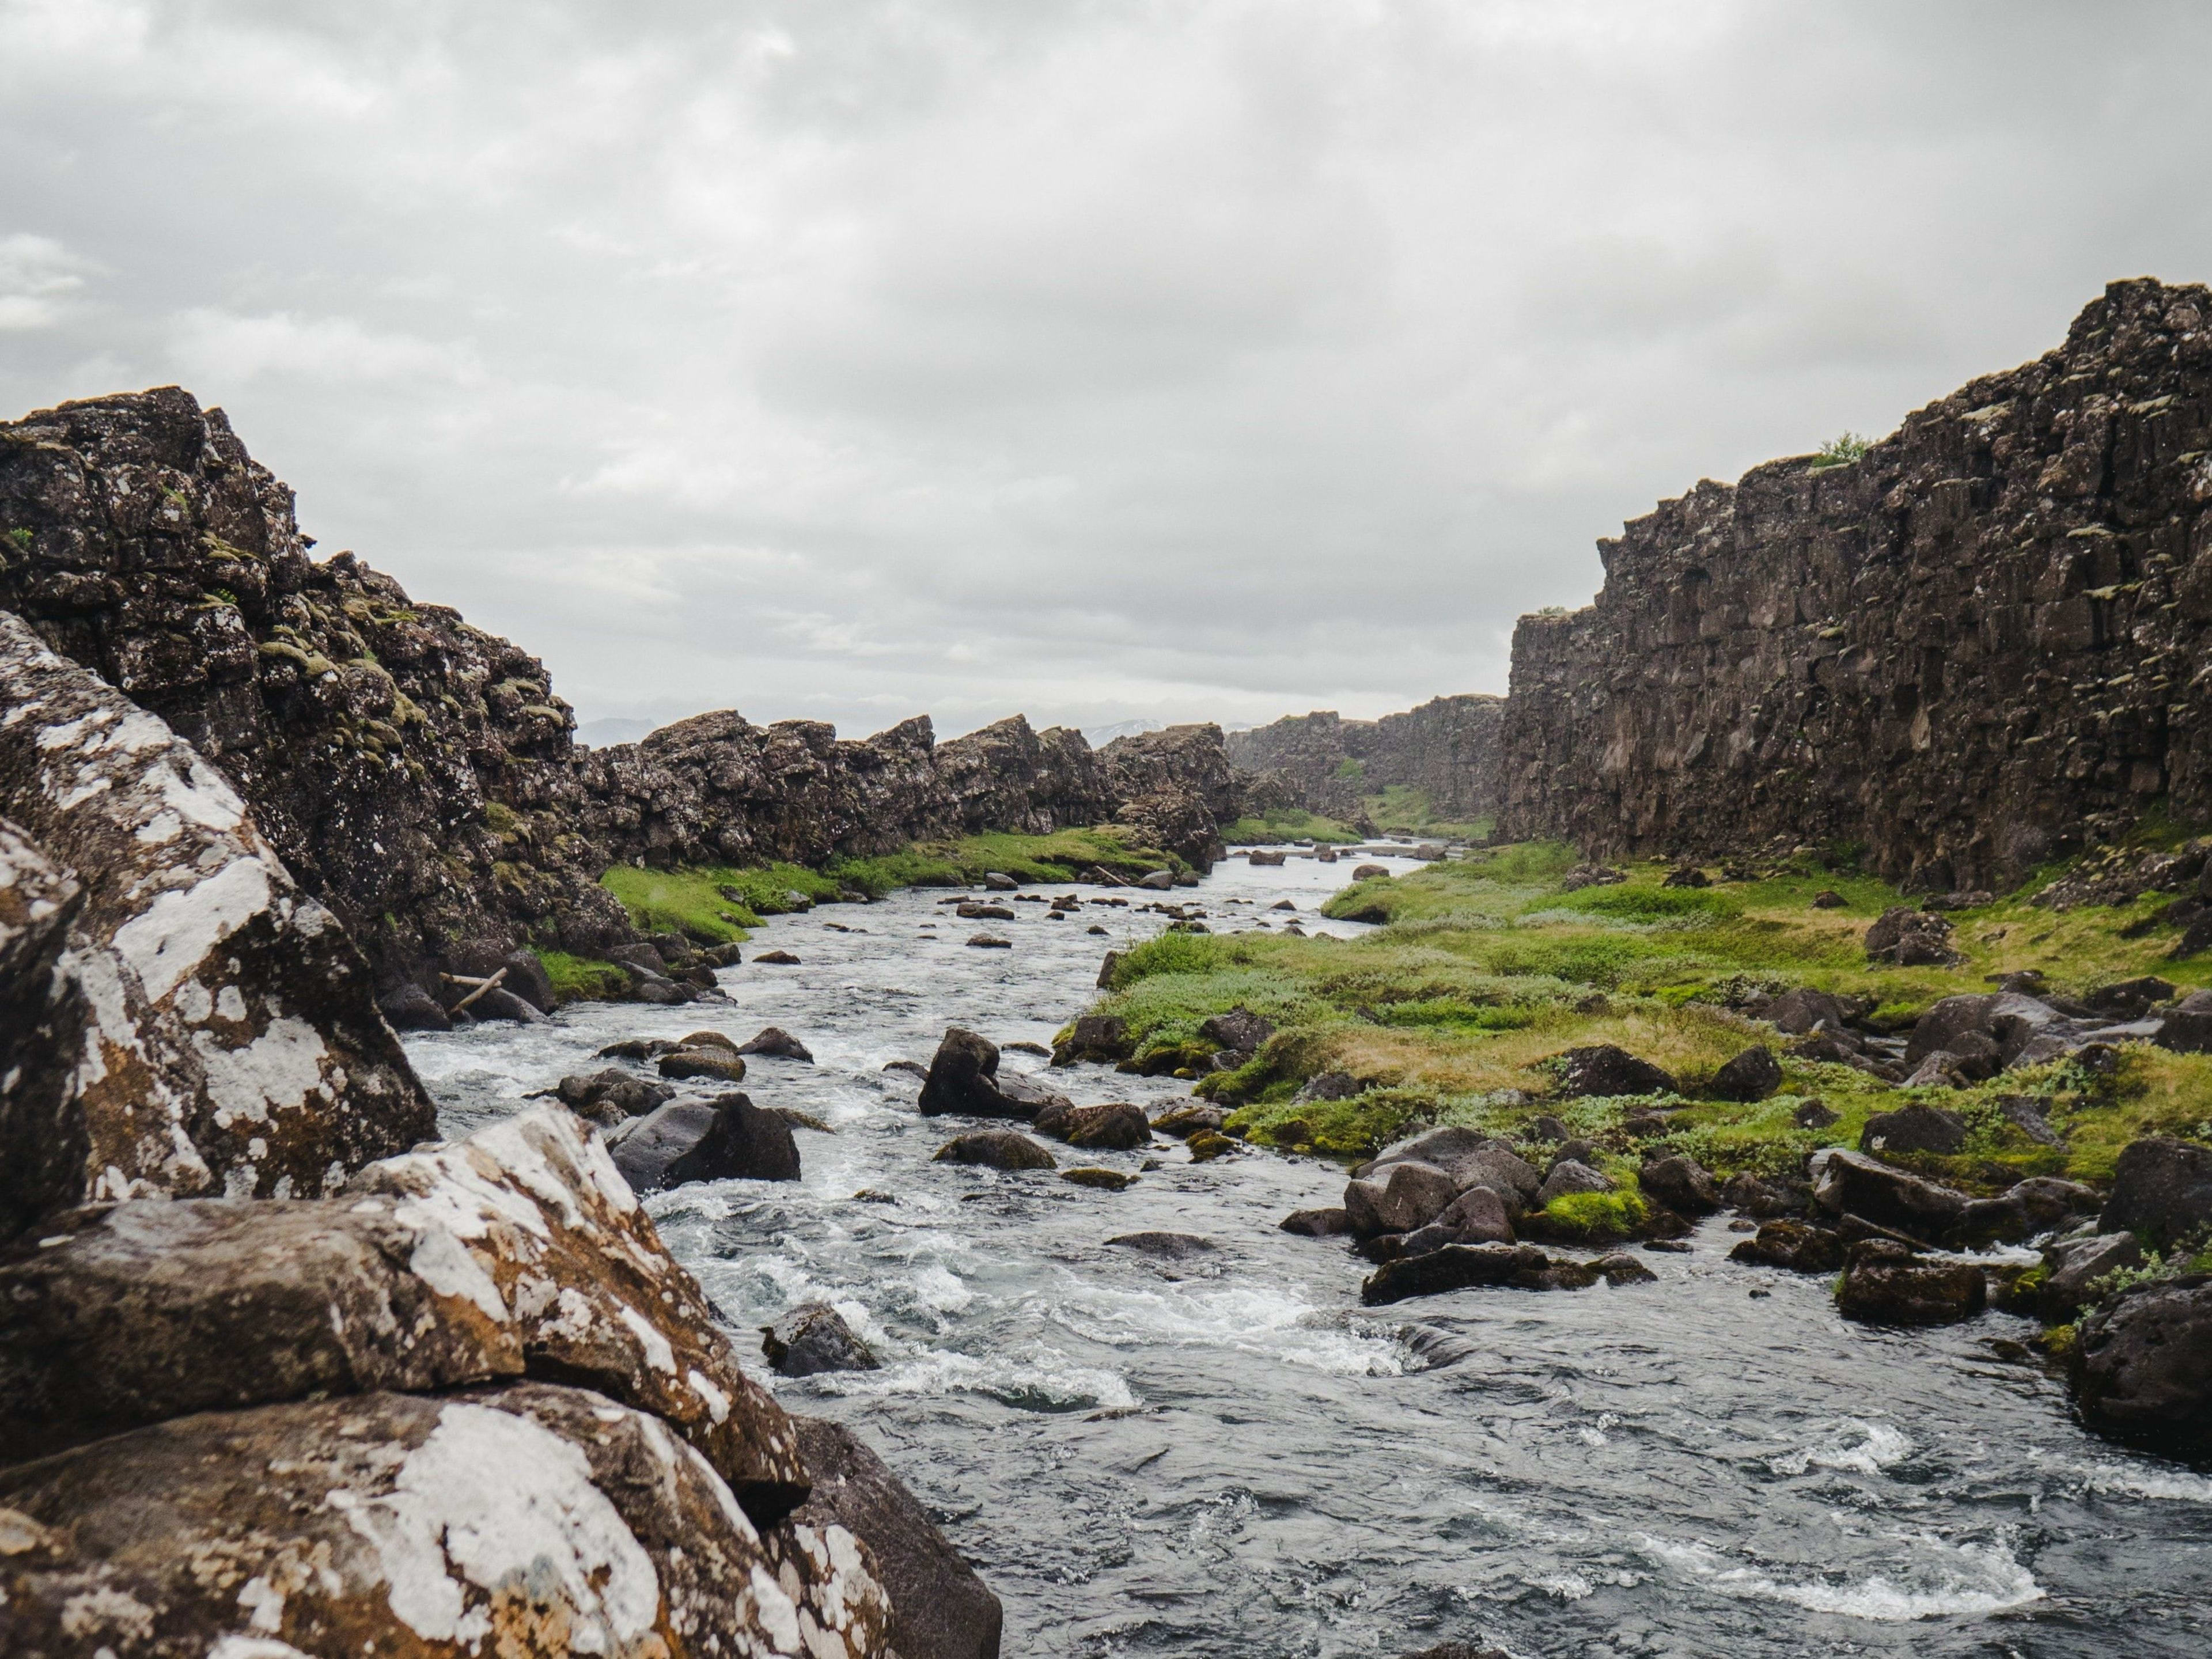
(2143,1370)
(2161,1191)
(518,1252)
(199,1025)
(939,1609)
(524,1521)
(963,1080)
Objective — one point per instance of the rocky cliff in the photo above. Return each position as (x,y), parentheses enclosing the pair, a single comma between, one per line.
(1974,647)
(418,775)
(1448,748)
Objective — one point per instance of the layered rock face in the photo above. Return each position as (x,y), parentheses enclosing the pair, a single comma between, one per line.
(412,771)
(1448,748)
(1973,649)
(418,775)
(180,1019)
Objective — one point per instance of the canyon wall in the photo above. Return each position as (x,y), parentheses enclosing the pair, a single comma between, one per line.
(1448,748)
(418,775)
(1975,647)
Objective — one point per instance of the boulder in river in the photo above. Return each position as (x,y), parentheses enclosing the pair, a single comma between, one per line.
(1186,1118)
(777,1044)
(1851,1183)
(2040,1204)
(719,1064)
(964,1080)
(1601,1069)
(1168,1247)
(996,1148)
(776,958)
(725,1138)
(1514,1266)
(611,1095)
(1682,1184)
(1114,1126)
(1398,1199)
(542,1517)
(1792,1244)
(2076,1268)
(2141,1370)
(1886,1283)
(2161,1191)
(1327,1222)
(812,1338)
(1103,1037)
(939,1609)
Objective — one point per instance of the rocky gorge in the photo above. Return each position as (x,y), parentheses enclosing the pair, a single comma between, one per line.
(1840,954)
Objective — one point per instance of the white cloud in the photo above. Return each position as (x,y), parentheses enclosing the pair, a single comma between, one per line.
(848,358)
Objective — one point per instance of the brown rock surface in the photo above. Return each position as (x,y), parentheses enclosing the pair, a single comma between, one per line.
(1970,650)
(527,1520)
(199,1025)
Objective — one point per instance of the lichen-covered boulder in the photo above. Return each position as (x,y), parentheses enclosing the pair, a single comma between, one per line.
(518,1252)
(556,1238)
(939,1609)
(525,1521)
(219,1028)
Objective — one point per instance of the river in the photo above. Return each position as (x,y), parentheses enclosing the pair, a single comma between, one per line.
(1230,1457)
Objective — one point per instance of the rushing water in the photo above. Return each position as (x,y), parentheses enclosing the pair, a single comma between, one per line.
(1230,1457)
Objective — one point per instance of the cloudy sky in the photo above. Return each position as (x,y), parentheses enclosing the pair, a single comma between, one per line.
(848,358)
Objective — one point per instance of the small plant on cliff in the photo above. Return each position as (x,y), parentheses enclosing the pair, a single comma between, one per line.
(1841,450)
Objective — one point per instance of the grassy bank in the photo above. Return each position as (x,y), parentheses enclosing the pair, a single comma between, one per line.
(716,904)
(1288,824)
(1487,970)
(1403,809)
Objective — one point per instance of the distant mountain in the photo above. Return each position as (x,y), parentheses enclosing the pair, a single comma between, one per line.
(1099,736)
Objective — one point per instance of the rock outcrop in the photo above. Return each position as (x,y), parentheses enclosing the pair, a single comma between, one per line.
(412,772)
(1448,748)
(180,1019)
(1971,649)
(418,776)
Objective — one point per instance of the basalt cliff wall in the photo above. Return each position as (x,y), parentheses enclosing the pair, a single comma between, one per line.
(1448,748)
(1980,645)
(418,775)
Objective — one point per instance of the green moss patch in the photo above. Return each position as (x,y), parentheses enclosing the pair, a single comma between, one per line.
(582,979)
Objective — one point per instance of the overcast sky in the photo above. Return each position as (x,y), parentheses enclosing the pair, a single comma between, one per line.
(846,360)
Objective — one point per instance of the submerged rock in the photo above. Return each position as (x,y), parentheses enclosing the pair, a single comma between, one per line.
(1792,1244)
(1318,1224)
(997,1149)
(719,1064)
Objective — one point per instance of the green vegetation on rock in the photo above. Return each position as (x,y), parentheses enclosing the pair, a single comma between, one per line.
(582,979)
(1488,969)
(1402,809)
(1062,856)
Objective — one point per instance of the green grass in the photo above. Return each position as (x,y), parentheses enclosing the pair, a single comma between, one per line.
(1061,856)
(581,979)
(1402,809)
(714,903)
(1487,970)
(1288,824)
(688,902)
